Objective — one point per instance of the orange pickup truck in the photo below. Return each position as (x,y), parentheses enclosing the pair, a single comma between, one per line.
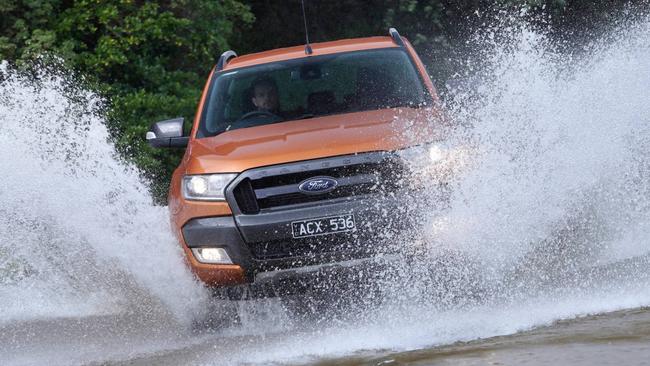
(296,158)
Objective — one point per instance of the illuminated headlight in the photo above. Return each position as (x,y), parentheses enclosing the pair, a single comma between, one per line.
(434,162)
(424,154)
(436,153)
(212,255)
(208,187)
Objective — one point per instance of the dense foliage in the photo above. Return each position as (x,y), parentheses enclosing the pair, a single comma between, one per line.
(150,59)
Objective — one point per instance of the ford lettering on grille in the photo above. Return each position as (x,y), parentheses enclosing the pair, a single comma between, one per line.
(317,185)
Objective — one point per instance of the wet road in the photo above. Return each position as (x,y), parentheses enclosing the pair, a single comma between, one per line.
(618,338)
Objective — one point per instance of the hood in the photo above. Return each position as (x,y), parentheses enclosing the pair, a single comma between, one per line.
(245,148)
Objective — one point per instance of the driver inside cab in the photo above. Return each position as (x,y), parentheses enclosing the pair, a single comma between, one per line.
(262,101)
(265,96)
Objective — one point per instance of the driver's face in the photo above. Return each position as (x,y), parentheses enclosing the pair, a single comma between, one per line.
(265,97)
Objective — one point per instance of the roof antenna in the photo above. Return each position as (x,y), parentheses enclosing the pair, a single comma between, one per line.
(308,49)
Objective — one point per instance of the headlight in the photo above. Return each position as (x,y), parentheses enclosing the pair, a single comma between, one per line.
(433,162)
(207,187)
(436,153)
(424,155)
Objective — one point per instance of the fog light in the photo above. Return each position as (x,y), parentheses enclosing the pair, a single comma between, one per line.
(212,255)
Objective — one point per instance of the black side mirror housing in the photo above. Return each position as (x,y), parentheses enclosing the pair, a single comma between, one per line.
(168,133)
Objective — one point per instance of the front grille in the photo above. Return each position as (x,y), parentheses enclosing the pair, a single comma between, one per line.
(276,187)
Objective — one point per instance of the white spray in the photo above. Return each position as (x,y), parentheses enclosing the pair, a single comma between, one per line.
(79,234)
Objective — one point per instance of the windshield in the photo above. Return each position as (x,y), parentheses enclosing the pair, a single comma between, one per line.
(311,87)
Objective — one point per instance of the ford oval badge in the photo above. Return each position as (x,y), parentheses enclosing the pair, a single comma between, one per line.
(317,185)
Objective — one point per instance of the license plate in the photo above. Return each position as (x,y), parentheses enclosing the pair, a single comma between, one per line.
(323,226)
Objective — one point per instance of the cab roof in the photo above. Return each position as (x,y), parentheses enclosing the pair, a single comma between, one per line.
(323,48)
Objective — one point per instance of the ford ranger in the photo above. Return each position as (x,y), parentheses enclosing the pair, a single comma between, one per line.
(297,158)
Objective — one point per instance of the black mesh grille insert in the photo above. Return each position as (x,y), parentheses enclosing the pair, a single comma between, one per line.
(279,187)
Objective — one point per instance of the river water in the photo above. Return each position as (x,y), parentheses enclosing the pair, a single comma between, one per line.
(551,218)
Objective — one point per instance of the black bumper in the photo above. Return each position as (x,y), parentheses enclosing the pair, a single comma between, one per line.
(264,242)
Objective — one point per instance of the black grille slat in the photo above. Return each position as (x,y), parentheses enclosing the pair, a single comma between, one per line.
(372,180)
(246,197)
(298,198)
(335,172)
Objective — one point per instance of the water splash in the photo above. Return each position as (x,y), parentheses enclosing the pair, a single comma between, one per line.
(79,234)
(551,217)
(561,151)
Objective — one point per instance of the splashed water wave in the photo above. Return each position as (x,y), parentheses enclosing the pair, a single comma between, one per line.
(550,220)
(78,232)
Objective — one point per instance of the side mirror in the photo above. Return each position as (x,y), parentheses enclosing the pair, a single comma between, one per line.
(167,133)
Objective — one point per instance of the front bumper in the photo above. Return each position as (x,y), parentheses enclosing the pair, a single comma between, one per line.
(263,243)
(287,282)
